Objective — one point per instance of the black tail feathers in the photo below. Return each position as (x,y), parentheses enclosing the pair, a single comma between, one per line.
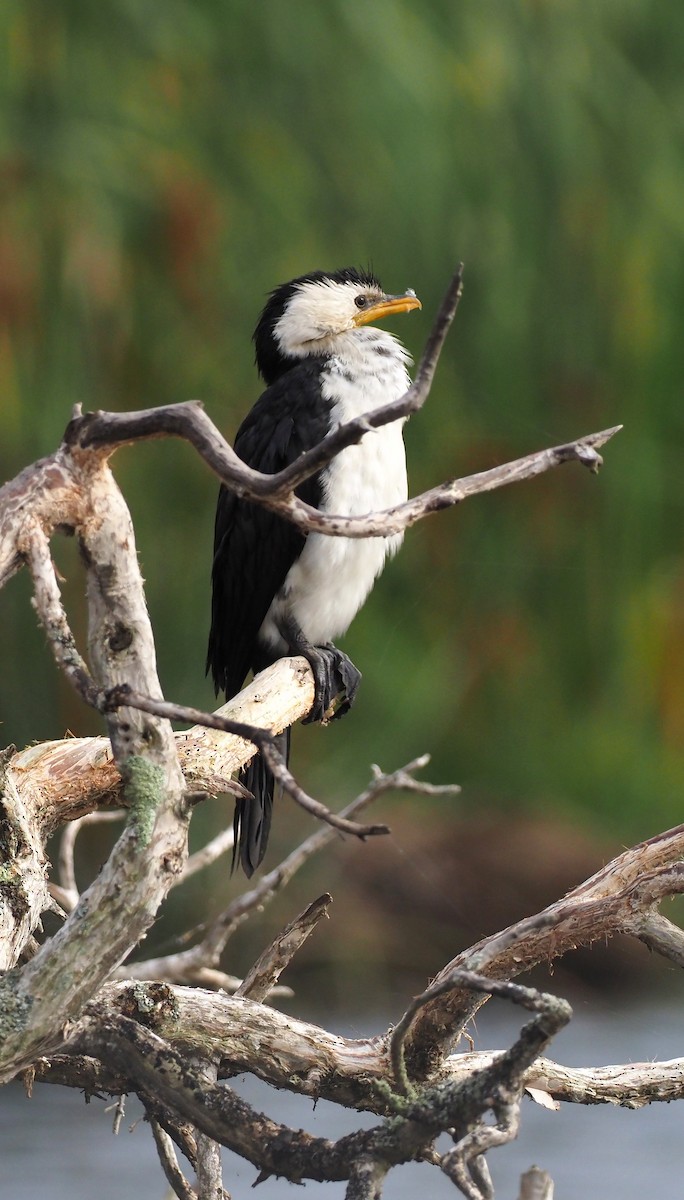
(252,820)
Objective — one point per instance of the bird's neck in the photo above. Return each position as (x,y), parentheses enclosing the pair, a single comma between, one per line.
(365,371)
(369,349)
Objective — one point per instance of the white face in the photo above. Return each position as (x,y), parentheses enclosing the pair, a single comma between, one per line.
(319,312)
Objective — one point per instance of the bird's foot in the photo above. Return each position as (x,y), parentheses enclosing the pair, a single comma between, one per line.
(334,676)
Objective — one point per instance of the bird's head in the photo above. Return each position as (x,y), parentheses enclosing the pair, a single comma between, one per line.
(315,313)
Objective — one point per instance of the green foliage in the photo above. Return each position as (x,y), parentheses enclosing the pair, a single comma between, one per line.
(162,167)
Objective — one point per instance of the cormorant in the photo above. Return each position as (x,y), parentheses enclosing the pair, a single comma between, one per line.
(276,590)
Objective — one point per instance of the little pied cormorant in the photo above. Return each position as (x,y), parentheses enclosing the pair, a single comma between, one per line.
(276,590)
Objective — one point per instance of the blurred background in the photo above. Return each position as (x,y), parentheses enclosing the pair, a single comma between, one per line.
(162,167)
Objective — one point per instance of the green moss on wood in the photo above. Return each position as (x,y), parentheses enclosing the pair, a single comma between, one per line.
(144,787)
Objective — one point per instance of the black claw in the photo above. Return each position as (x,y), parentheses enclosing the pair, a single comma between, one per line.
(349,679)
(320,667)
(334,675)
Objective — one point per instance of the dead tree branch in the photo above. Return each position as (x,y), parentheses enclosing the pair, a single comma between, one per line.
(65,1018)
(60,781)
(260,739)
(190,422)
(536,1184)
(599,908)
(48,991)
(308,1059)
(263,976)
(156,1068)
(169,1163)
(68,891)
(190,966)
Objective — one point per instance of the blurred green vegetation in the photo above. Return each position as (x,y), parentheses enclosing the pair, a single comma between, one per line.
(163,166)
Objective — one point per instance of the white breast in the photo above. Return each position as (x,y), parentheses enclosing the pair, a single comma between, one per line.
(327,585)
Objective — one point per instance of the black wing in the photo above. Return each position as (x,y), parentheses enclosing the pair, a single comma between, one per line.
(253,548)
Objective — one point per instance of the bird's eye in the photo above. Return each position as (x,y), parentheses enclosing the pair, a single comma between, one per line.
(361,301)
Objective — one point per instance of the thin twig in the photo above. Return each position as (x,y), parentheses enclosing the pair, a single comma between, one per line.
(169,1163)
(69,893)
(125,697)
(63,901)
(402,780)
(47,602)
(119,1113)
(268,886)
(445,495)
(189,421)
(526,997)
(208,854)
(215,936)
(209,1176)
(401,1029)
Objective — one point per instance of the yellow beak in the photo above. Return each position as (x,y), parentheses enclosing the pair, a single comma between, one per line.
(387,306)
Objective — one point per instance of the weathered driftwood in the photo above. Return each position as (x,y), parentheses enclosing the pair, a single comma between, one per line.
(63,780)
(66,1013)
(307,1058)
(51,989)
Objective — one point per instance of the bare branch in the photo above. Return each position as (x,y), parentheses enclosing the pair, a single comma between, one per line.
(190,422)
(270,884)
(186,965)
(156,1067)
(306,1058)
(366,1178)
(472,1178)
(598,908)
(630,1085)
(446,495)
(536,1184)
(59,781)
(659,934)
(402,780)
(209,1175)
(48,604)
(119,1113)
(262,740)
(121,903)
(401,1029)
(208,854)
(69,894)
(214,1108)
(183,967)
(169,1163)
(261,979)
